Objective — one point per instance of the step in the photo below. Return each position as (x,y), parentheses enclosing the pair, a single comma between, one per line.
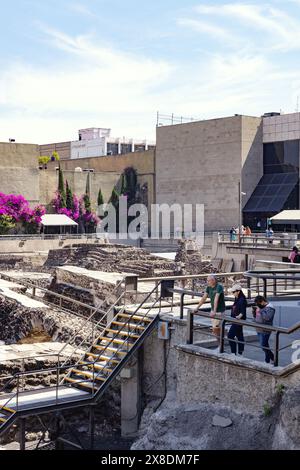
(81,384)
(114,350)
(98,366)
(108,358)
(105,358)
(9,410)
(122,333)
(86,373)
(109,349)
(114,340)
(135,317)
(129,325)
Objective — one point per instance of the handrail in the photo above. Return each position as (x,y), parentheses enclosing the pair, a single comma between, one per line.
(50,292)
(231,320)
(187,277)
(85,338)
(88,320)
(122,329)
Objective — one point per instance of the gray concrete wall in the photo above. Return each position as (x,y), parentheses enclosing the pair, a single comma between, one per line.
(196,375)
(252,155)
(19,172)
(77,181)
(203,162)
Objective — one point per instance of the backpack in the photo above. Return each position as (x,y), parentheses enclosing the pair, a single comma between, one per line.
(297,258)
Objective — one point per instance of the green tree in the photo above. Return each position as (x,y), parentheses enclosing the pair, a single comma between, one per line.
(87,203)
(124,188)
(61,188)
(114,200)
(6,224)
(100,199)
(69,197)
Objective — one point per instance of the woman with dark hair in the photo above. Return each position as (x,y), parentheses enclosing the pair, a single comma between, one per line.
(238,311)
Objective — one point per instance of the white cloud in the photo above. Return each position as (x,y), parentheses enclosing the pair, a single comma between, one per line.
(97,85)
(280,29)
(204,27)
(97,82)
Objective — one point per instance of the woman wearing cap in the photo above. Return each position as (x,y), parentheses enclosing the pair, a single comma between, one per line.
(238,311)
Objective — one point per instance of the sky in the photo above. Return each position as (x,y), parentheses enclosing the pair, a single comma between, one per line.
(72,64)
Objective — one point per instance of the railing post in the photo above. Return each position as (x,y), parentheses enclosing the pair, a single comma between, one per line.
(276,358)
(249,287)
(222,337)
(265,287)
(190,327)
(182,305)
(193,287)
(57,378)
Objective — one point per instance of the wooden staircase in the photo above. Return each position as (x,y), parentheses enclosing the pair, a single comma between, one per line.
(110,352)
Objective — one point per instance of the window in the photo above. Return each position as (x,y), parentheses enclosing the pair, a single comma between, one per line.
(281,157)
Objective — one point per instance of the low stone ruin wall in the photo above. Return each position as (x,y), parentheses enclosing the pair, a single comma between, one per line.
(18,321)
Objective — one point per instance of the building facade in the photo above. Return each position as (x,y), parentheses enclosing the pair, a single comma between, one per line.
(278,188)
(204,162)
(209,162)
(96,142)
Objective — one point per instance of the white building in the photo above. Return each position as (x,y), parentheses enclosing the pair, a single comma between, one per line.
(97,142)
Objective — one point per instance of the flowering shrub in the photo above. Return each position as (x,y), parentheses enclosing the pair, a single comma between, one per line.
(17,208)
(72,212)
(6,224)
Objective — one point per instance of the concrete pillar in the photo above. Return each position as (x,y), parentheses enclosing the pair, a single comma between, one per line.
(131,396)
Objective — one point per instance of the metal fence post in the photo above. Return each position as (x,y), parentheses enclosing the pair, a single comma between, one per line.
(190,327)
(222,338)
(276,358)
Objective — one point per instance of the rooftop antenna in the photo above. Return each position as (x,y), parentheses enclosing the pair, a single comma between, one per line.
(297,106)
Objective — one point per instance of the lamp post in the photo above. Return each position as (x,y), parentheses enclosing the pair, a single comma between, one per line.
(241,194)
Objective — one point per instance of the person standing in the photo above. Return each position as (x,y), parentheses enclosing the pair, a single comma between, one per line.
(238,311)
(293,254)
(232,235)
(215,293)
(264,315)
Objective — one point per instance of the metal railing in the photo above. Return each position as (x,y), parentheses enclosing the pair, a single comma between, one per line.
(17,380)
(26,237)
(191,327)
(260,240)
(110,341)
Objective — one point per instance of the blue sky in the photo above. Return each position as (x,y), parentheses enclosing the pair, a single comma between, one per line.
(68,64)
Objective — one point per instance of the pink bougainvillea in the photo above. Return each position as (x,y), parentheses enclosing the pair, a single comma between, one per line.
(72,213)
(77,212)
(17,207)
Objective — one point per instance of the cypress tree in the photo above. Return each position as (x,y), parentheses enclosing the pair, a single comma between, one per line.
(87,203)
(69,197)
(61,188)
(100,199)
(114,200)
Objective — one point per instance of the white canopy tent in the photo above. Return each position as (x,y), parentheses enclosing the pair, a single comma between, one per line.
(58,220)
(288,217)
